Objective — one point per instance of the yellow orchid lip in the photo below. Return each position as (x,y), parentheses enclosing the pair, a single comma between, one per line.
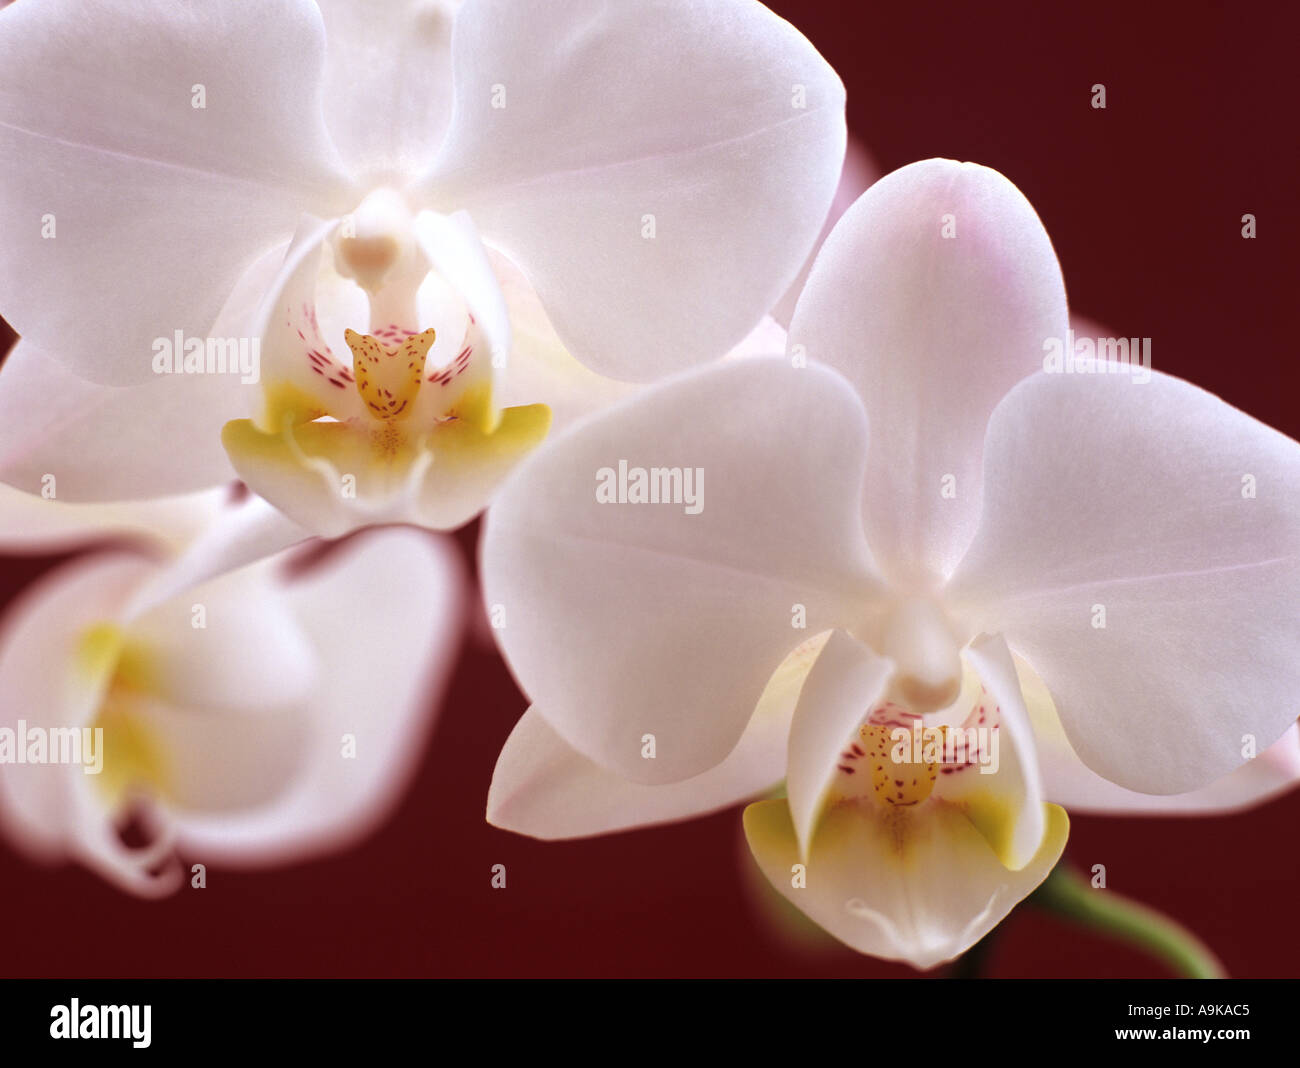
(391,470)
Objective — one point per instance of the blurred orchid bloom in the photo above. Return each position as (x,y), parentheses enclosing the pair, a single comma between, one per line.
(246,722)
(423,228)
(1090,530)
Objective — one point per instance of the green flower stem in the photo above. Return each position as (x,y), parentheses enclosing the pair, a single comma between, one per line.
(1068,894)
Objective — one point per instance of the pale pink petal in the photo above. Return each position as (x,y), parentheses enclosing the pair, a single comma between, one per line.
(1068,781)
(153,439)
(387,93)
(840,691)
(545,788)
(658,170)
(932,330)
(1140,548)
(1003,796)
(35,523)
(624,620)
(238,535)
(128,211)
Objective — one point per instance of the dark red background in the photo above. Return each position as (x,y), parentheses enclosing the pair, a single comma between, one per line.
(1143,201)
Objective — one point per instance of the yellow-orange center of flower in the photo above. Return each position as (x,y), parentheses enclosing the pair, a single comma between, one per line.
(388,379)
(906,781)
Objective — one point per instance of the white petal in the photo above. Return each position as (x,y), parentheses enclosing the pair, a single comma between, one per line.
(626,620)
(719,121)
(456,252)
(32,523)
(932,331)
(388,91)
(297,361)
(922,888)
(384,664)
(157,205)
(220,763)
(229,644)
(841,690)
(238,535)
(1004,800)
(1068,781)
(227,740)
(152,439)
(1179,517)
(545,788)
(541,370)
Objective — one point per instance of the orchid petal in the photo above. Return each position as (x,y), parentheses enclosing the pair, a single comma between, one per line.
(455,252)
(1140,548)
(545,788)
(620,152)
(932,330)
(841,690)
(625,620)
(169,146)
(1069,782)
(126,442)
(238,535)
(302,376)
(541,370)
(230,644)
(219,762)
(388,89)
(33,523)
(1004,801)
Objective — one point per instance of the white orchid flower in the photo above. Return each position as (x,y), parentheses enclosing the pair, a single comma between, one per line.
(915,491)
(421,213)
(246,722)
